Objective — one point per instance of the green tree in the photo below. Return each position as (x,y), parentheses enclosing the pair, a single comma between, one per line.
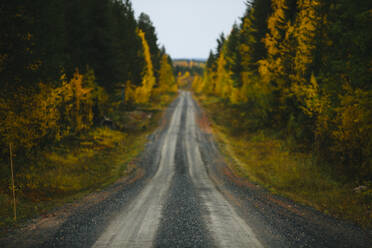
(233,56)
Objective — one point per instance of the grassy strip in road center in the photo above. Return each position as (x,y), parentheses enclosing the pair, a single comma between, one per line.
(263,157)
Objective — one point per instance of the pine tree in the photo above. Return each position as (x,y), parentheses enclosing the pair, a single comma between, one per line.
(247,42)
(128,63)
(260,15)
(211,61)
(273,66)
(306,27)
(233,55)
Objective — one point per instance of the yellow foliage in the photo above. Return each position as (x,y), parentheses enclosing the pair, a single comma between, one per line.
(27,119)
(307,21)
(34,66)
(78,102)
(202,84)
(354,123)
(146,51)
(235,97)
(143,93)
(209,83)
(315,104)
(184,79)
(290,51)
(167,82)
(264,70)
(50,114)
(185,75)
(197,84)
(223,82)
(273,66)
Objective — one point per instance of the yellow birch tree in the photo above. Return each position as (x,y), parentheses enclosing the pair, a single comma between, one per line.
(167,81)
(143,93)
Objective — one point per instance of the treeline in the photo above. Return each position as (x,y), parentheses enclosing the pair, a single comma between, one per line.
(186,70)
(181,66)
(303,67)
(64,65)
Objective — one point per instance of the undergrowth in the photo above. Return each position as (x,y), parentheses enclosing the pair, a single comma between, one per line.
(265,157)
(77,165)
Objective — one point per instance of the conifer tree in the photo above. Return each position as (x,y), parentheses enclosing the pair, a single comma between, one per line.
(211,61)
(247,42)
(306,26)
(233,55)
(273,66)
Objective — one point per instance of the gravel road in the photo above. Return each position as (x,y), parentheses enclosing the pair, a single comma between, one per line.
(188,198)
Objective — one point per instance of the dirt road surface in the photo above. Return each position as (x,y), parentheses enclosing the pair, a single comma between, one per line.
(189,198)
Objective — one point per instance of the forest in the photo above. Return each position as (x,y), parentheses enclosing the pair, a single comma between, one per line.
(194,67)
(305,68)
(67,70)
(289,90)
(294,78)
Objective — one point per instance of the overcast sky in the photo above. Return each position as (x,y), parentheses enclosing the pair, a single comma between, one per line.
(189,28)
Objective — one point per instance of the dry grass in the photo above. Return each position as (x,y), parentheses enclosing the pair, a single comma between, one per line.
(70,171)
(263,158)
(77,166)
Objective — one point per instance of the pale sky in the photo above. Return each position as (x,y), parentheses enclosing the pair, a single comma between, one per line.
(189,28)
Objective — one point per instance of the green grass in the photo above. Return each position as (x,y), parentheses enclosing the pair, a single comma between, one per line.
(263,157)
(77,166)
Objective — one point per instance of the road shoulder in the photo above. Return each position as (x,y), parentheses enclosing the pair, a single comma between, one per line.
(279,221)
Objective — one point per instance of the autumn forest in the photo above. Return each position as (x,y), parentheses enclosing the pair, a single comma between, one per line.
(304,68)
(68,71)
(85,81)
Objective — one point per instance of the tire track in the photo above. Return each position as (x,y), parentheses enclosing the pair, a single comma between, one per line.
(136,226)
(182,224)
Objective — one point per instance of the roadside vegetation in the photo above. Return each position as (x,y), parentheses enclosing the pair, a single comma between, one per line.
(266,158)
(78,99)
(194,67)
(289,92)
(187,70)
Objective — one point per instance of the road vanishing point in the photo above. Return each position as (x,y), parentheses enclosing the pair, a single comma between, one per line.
(187,198)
